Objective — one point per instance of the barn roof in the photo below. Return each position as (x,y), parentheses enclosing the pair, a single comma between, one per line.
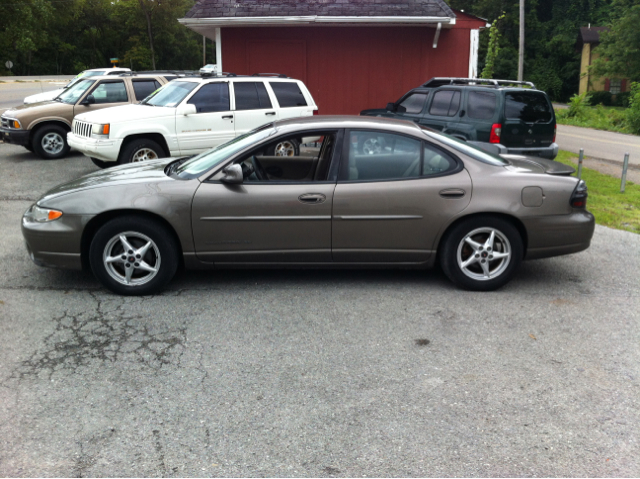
(320,8)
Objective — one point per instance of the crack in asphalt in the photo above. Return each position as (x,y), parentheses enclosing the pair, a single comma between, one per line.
(79,339)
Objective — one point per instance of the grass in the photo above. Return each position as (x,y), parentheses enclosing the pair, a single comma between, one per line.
(610,207)
(609,118)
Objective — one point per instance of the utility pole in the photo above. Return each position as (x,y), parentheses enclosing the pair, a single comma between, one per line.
(521,50)
(204,50)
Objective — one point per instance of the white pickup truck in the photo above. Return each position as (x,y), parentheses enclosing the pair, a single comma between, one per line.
(188,116)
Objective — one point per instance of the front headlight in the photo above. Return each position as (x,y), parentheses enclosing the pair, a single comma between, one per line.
(100,130)
(36,214)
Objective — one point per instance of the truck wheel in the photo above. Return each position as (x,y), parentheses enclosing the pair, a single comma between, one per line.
(50,142)
(141,149)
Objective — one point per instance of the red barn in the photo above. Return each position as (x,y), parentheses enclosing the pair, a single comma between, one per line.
(351,54)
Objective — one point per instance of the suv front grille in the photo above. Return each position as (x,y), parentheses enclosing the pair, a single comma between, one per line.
(81,128)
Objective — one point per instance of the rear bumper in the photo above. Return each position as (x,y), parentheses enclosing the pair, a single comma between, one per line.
(105,150)
(15,137)
(549,152)
(558,235)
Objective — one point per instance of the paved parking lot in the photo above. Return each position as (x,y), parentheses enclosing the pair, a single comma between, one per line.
(316,373)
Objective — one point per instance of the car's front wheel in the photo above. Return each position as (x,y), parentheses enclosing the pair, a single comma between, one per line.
(481,253)
(141,149)
(50,142)
(133,255)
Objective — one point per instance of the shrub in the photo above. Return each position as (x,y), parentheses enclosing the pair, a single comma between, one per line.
(600,98)
(621,99)
(633,112)
(578,106)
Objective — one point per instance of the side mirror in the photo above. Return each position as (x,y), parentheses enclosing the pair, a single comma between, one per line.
(90,100)
(232,175)
(186,109)
(391,107)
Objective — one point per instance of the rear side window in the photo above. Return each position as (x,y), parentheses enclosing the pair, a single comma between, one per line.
(211,97)
(481,105)
(251,96)
(445,103)
(144,88)
(436,161)
(530,107)
(288,94)
(413,103)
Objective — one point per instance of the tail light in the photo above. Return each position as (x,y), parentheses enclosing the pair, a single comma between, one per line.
(579,196)
(496,131)
(315,112)
(555,130)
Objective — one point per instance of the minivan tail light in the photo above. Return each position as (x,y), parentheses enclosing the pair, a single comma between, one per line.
(496,131)
(579,196)
(555,130)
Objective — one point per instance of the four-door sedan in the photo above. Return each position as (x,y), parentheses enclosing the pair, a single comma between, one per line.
(420,198)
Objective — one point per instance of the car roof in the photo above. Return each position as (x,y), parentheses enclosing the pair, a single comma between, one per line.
(115,77)
(236,78)
(321,122)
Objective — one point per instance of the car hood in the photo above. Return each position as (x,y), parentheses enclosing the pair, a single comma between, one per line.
(126,113)
(147,172)
(539,165)
(46,96)
(41,108)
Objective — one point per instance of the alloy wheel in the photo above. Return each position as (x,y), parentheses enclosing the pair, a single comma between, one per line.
(52,143)
(131,258)
(484,254)
(144,154)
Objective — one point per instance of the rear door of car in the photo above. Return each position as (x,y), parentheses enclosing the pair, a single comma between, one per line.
(389,207)
(292,102)
(529,120)
(443,109)
(253,106)
(481,111)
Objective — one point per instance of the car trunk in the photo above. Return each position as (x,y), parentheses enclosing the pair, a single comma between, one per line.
(529,121)
(539,165)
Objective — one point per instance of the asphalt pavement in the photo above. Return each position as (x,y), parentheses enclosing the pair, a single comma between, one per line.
(13,93)
(605,145)
(315,373)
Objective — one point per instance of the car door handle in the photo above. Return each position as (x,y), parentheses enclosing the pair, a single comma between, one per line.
(453,193)
(227,117)
(312,198)
(269,113)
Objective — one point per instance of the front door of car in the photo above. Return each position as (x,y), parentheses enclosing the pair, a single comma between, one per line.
(105,94)
(253,106)
(211,125)
(268,219)
(412,106)
(389,207)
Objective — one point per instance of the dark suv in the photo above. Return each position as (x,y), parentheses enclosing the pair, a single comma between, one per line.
(501,116)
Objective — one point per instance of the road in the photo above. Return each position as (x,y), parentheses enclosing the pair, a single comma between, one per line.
(315,373)
(600,144)
(13,94)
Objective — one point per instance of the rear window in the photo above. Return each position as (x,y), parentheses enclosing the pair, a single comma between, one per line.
(445,103)
(481,105)
(288,94)
(530,107)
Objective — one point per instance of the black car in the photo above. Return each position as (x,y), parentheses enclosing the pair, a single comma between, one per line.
(501,116)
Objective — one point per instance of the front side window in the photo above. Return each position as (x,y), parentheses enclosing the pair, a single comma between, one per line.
(171,94)
(413,103)
(144,88)
(481,105)
(376,155)
(445,103)
(211,97)
(251,96)
(529,107)
(110,92)
(73,93)
(288,94)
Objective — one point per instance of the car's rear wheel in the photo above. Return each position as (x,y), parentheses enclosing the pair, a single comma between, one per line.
(371,145)
(142,149)
(133,255)
(50,142)
(481,253)
(285,148)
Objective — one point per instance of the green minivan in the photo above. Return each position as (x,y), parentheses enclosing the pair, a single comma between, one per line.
(501,116)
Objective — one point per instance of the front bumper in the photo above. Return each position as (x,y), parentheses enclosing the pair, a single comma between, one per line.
(105,150)
(560,234)
(549,152)
(56,244)
(15,137)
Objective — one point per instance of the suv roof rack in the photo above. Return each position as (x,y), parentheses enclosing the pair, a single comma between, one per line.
(441,81)
(184,73)
(221,74)
(278,75)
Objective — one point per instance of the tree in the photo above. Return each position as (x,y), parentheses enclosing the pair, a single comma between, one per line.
(619,50)
(492,49)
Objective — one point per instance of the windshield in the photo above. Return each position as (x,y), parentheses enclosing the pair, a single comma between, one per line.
(464,147)
(80,76)
(72,94)
(171,94)
(210,158)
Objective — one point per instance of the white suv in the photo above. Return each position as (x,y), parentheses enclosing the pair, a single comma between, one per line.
(188,116)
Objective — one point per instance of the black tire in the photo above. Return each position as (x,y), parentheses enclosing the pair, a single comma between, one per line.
(370,144)
(138,231)
(473,276)
(50,142)
(102,164)
(140,149)
(289,147)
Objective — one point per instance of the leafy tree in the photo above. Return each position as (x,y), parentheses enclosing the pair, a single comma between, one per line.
(493,49)
(619,50)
